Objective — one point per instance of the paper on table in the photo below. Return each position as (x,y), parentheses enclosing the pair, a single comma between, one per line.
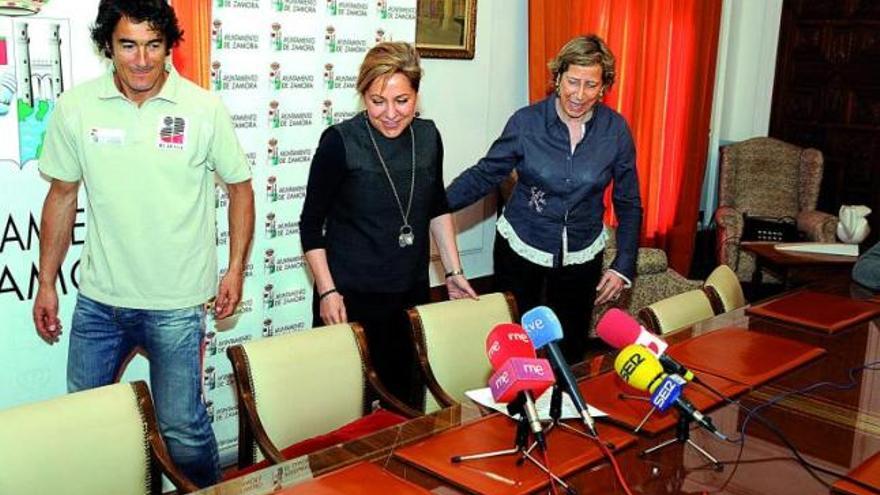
(483,396)
(835,248)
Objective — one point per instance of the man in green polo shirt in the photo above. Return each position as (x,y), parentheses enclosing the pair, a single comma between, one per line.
(148,145)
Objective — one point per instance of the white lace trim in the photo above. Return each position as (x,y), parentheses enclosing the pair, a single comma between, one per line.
(584,255)
(543,258)
(536,256)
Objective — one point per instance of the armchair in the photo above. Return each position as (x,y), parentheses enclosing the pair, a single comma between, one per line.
(654,281)
(767,177)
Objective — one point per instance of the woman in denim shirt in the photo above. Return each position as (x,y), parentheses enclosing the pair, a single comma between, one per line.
(565,150)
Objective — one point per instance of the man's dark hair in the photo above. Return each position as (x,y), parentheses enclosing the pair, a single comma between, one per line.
(157,13)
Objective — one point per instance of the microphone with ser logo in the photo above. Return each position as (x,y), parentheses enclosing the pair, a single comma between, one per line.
(640,369)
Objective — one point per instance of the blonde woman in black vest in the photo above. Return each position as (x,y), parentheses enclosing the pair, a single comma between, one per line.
(375,190)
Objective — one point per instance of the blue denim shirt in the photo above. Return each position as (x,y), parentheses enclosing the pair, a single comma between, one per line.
(558,189)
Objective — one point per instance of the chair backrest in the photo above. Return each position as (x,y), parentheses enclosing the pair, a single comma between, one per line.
(298,386)
(724,290)
(450,339)
(768,177)
(103,440)
(677,311)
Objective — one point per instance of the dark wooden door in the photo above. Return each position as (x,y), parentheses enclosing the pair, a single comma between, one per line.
(826,95)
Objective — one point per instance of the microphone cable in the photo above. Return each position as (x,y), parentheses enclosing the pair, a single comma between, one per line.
(753,413)
(549,472)
(614,465)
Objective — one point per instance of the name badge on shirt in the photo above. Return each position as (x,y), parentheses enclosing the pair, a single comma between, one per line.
(172,133)
(107,136)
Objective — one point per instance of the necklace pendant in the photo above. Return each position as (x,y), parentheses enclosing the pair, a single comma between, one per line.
(406,237)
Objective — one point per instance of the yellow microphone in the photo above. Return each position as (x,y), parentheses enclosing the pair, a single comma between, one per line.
(638,367)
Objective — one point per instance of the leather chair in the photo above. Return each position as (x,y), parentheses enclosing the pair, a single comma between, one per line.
(450,340)
(767,177)
(103,440)
(297,386)
(676,312)
(724,290)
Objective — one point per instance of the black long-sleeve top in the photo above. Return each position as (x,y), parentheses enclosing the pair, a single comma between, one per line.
(351,212)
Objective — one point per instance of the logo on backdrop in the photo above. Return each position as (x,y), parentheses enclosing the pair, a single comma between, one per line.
(278,118)
(238,4)
(327,113)
(274,264)
(300,6)
(244,120)
(382,8)
(282,43)
(276,156)
(356,8)
(236,81)
(279,80)
(273,299)
(381,36)
(332,44)
(274,227)
(235,41)
(408,13)
(332,80)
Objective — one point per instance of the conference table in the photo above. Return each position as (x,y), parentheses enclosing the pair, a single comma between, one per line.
(835,426)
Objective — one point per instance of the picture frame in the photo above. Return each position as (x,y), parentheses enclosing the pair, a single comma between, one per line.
(446,28)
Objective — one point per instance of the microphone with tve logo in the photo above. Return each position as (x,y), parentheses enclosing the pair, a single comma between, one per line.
(518,373)
(618,329)
(545,330)
(640,369)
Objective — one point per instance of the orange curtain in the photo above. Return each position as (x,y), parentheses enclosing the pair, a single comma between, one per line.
(665,52)
(192,58)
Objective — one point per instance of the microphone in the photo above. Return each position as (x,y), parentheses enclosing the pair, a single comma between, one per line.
(544,329)
(618,329)
(518,372)
(639,368)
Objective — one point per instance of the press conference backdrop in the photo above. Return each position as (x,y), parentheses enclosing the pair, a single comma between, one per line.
(286,69)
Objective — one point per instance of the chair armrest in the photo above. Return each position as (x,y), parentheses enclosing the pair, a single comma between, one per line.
(730,225)
(648,260)
(386,398)
(157,444)
(819,226)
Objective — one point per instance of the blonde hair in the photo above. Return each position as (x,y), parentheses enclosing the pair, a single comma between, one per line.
(389,58)
(584,50)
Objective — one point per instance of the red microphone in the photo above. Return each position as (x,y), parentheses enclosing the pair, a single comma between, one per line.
(518,373)
(618,329)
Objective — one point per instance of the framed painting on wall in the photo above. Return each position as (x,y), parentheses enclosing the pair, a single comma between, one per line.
(446,28)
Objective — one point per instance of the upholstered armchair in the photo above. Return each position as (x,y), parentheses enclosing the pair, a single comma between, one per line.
(767,177)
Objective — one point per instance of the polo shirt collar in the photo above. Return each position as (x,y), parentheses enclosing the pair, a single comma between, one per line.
(168,91)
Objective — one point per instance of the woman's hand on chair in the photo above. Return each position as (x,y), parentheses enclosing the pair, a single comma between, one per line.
(459,288)
(609,288)
(333,309)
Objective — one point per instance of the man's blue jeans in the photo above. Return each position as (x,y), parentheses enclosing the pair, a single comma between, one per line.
(102,336)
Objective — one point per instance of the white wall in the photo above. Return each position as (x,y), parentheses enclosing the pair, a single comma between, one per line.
(471,100)
(743,81)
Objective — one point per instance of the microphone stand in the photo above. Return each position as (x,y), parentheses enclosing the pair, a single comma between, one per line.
(683,436)
(521,442)
(556,420)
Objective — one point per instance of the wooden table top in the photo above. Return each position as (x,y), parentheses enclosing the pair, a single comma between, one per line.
(836,427)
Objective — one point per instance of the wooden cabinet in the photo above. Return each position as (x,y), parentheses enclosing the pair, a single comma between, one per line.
(827,95)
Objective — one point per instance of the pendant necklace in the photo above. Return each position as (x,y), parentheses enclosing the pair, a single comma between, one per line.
(406,237)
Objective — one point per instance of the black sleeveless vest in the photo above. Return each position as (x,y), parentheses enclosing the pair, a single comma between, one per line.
(363,225)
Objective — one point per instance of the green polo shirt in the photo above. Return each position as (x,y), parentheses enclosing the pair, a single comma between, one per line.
(149,175)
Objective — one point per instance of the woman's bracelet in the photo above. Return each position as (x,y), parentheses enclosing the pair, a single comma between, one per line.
(326,293)
(455,272)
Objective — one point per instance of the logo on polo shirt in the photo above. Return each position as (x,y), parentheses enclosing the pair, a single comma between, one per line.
(172,133)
